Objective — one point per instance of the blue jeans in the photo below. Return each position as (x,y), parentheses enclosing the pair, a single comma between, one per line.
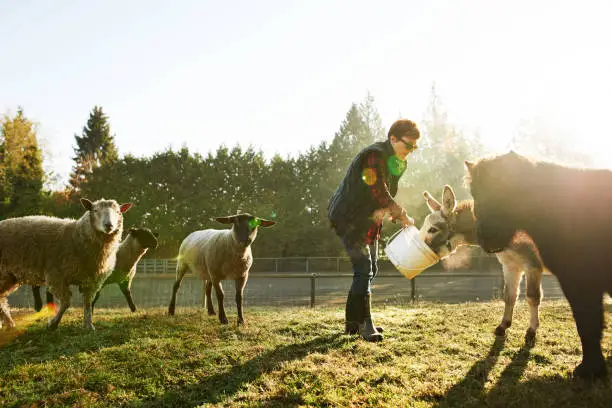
(364,259)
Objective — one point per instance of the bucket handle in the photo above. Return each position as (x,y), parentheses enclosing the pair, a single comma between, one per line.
(396,233)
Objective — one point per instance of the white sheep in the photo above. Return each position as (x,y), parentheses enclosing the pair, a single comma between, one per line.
(131,249)
(217,255)
(37,250)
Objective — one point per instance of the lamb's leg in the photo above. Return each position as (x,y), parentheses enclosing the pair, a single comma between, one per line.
(62,293)
(240,284)
(8,283)
(220,295)
(125,289)
(181,270)
(533,283)
(512,278)
(37,299)
(5,314)
(95,299)
(88,295)
(208,298)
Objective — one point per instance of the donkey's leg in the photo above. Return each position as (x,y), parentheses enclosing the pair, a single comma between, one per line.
(512,278)
(533,282)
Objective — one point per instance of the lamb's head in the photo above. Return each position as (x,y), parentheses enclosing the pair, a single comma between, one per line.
(449,225)
(106,216)
(145,237)
(244,226)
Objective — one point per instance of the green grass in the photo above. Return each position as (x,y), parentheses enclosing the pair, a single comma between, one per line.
(433,355)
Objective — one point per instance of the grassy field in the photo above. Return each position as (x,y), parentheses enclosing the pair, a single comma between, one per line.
(433,355)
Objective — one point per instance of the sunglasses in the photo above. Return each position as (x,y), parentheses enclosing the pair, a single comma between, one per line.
(409,145)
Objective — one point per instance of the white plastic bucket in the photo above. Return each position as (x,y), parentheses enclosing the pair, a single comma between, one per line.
(409,253)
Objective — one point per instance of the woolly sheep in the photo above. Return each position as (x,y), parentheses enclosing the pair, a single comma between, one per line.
(59,252)
(217,255)
(131,249)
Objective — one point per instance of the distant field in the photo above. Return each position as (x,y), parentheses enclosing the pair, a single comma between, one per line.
(433,355)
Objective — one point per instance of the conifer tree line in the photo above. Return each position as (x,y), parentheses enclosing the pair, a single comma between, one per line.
(178,191)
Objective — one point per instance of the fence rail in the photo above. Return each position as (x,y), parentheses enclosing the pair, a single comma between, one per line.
(311,282)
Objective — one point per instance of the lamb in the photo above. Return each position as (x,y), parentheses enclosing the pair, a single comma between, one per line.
(217,255)
(451,224)
(59,252)
(131,249)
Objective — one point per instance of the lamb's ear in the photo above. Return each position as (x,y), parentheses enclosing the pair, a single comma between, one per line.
(87,204)
(124,207)
(448,200)
(469,166)
(432,203)
(225,220)
(266,223)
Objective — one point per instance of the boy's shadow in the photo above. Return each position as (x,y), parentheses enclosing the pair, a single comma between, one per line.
(214,388)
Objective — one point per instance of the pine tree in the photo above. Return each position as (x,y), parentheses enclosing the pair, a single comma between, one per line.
(94,148)
(21,169)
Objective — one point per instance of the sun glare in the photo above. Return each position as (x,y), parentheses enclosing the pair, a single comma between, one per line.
(23,321)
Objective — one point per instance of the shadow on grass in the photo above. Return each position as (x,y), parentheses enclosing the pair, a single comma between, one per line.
(217,387)
(470,390)
(509,390)
(36,344)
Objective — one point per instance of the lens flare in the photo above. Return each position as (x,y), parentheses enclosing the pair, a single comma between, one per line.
(396,165)
(254,223)
(369,176)
(23,321)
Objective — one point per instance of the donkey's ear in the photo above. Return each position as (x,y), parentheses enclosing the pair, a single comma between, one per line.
(432,203)
(469,166)
(448,200)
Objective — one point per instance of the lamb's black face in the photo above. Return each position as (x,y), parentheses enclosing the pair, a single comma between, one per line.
(145,237)
(245,226)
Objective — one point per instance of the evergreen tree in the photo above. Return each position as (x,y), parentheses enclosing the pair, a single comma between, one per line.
(21,172)
(94,148)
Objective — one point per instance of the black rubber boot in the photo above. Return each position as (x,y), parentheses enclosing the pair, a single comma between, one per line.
(351,322)
(367,329)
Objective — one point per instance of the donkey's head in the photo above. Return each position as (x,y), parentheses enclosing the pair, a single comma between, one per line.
(449,225)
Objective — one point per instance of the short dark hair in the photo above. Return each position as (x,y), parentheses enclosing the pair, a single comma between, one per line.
(404,127)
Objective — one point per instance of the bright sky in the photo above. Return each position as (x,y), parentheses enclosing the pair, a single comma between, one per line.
(281,75)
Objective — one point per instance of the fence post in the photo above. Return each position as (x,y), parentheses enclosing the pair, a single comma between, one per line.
(413,289)
(338,265)
(307,266)
(313,280)
(276,265)
(144,265)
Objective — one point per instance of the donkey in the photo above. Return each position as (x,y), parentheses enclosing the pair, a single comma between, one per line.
(451,225)
(567,213)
